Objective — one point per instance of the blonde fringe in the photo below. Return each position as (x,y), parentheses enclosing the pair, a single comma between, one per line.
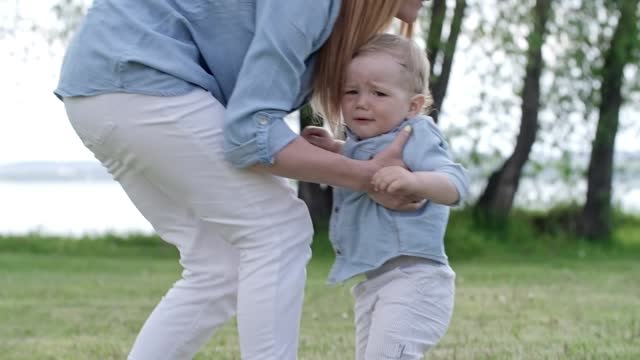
(357,22)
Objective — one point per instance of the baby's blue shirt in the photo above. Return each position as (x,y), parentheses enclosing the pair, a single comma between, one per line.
(254,56)
(365,234)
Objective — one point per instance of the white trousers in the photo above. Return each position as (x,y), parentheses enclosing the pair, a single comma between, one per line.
(404,310)
(243,237)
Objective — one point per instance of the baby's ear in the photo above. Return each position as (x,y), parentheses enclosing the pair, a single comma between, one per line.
(417,105)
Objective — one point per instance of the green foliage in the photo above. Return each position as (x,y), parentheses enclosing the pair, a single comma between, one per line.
(538,234)
(69,14)
(578,36)
(626,230)
(523,234)
(106,245)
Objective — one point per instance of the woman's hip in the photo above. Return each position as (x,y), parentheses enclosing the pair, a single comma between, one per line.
(176,143)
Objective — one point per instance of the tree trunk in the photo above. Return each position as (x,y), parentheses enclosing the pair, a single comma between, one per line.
(438,11)
(439,85)
(319,198)
(595,220)
(497,199)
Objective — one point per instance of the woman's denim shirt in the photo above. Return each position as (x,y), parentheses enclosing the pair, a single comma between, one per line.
(254,56)
(365,234)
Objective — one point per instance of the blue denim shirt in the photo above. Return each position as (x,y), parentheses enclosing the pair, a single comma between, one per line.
(365,234)
(254,56)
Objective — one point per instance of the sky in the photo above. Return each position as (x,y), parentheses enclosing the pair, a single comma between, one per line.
(33,124)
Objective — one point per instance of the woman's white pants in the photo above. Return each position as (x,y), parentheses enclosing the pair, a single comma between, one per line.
(243,237)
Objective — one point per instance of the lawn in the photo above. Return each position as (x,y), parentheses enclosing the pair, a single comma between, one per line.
(72,305)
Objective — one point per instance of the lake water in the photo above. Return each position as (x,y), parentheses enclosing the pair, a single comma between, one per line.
(68,209)
(99,207)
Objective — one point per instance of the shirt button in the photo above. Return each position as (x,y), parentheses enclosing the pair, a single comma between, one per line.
(336,209)
(338,252)
(263,120)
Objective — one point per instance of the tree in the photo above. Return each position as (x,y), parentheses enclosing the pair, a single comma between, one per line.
(441,52)
(498,196)
(595,220)
(70,13)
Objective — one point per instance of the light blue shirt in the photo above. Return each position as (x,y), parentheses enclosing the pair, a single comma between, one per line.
(365,234)
(254,56)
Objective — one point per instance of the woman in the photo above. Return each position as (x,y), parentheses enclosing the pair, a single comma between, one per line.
(183,104)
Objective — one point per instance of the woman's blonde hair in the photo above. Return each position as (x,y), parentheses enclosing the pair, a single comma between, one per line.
(409,55)
(357,22)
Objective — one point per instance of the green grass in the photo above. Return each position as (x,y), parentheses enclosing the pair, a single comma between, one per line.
(70,299)
(526,289)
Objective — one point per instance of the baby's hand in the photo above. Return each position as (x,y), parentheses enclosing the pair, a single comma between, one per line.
(397,202)
(395,180)
(321,138)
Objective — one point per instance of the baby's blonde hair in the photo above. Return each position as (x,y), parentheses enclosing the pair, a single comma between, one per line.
(409,55)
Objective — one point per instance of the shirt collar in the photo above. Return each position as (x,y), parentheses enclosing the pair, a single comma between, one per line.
(354,136)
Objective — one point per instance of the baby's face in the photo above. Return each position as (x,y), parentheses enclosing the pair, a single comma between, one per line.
(376,97)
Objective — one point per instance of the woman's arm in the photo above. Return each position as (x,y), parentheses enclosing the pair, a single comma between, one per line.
(321,138)
(273,78)
(303,161)
(268,85)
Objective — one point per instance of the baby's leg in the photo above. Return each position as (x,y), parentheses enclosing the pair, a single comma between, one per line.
(412,311)
(365,296)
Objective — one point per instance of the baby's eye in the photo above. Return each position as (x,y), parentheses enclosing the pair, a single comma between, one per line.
(379,93)
(351,92)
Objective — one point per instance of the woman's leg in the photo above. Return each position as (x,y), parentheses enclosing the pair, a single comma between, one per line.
(412,312)
(232,227)
(204,298)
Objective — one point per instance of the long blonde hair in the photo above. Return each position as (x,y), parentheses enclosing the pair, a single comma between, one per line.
(358,21)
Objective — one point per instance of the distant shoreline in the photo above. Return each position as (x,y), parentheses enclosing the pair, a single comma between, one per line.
(41,172)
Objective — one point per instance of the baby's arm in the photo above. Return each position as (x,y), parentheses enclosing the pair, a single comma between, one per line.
(429,185)
(433,174)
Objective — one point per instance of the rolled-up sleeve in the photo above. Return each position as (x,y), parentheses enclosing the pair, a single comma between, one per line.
(428,151)
(271,79)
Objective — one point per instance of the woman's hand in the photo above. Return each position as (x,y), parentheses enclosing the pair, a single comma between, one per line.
(321,138)
(390,156)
